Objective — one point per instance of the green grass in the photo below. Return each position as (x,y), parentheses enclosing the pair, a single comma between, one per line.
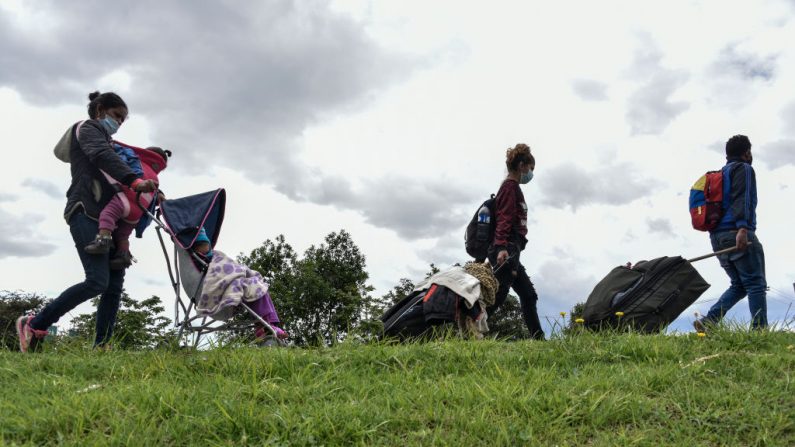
(729,388)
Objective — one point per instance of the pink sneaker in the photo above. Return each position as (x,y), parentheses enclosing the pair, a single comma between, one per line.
(280,333)
(261,333)
(28,337)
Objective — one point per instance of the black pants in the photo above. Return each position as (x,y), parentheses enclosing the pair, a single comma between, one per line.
(514,276)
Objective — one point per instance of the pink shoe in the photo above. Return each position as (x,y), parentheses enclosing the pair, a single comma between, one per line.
(261,333)
(28,337)
(280,333)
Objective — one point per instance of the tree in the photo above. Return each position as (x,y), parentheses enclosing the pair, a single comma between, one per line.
(399,292)
(12,306)
(434,270)
(275,261)
(576,313)
(507,321)
(139,324)
(319,297)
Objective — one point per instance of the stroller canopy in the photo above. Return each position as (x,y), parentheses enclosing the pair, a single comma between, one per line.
(186,215)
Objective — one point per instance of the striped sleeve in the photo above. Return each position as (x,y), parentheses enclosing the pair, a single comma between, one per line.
(743,188)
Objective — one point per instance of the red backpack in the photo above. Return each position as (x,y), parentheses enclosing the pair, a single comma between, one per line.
(706,201)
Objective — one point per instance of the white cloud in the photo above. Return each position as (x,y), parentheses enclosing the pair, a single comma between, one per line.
(590,90)
(650,109)
(569,185)
(732,61)
(777,153)
(47,187)
(555,294)
(661,226)
(18,237)
(292,65)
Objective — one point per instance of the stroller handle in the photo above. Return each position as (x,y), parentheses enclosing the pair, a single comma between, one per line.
(138,198)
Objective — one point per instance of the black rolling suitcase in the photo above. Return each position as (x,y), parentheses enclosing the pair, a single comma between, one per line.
(648,296)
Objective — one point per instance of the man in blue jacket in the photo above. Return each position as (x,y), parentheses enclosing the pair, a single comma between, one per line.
(746,266)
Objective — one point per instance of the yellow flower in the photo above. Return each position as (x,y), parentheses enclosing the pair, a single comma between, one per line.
(701,334)
(619,314)
(579,320)
(563,314)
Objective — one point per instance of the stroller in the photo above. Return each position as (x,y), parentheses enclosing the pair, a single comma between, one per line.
(182,219)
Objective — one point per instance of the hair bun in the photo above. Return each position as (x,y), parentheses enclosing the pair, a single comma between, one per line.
(93,96)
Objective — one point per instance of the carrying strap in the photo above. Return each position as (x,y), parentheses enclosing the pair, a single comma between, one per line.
(77,129)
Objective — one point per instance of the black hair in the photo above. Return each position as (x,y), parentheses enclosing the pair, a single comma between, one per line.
(107,100)
(165,153)
(737,146)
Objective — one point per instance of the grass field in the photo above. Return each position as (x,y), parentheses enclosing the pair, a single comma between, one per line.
(728,388)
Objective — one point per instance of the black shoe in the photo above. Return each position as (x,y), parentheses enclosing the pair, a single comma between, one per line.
(121,261)
(100,245)
(699,326)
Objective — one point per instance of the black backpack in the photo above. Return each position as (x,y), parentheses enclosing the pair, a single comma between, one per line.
(479,235)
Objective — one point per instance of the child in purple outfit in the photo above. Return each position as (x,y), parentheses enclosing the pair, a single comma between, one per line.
(262,306)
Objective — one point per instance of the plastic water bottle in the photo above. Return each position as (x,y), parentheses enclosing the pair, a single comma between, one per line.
(484,220)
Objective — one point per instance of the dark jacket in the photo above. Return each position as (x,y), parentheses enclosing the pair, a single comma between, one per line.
(90,152)
(739,196)
(511,211)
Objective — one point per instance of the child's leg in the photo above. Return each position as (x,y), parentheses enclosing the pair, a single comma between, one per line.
(121,237)
(110,214)
(264,308)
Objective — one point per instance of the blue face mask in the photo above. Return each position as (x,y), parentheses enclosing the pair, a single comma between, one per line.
(110,124)
(526,177)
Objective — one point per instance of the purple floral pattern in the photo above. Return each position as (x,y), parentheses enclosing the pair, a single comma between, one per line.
(227,284)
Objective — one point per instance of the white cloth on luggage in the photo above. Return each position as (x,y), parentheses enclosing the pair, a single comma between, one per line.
(458,280)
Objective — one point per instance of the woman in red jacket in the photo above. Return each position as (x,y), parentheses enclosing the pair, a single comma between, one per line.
(510,237)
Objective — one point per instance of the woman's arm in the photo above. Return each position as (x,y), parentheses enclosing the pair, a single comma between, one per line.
(506,209)
(94,143)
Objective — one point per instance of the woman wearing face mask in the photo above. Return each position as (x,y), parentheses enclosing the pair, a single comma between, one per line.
(510,237)
(89,192)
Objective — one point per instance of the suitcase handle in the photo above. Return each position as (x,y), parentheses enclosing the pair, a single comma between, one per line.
(717,253)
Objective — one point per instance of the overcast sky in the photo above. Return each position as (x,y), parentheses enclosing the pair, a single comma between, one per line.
(391,120)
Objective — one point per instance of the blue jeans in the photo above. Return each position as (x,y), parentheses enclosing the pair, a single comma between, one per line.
(746,270)
(100,280)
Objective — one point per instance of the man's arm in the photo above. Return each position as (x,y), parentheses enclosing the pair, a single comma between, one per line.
(743,186)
